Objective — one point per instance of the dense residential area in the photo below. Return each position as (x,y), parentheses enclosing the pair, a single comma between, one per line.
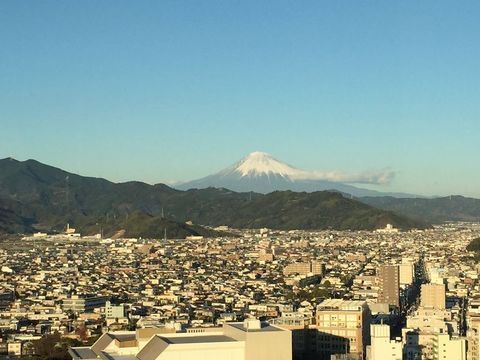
(327,294)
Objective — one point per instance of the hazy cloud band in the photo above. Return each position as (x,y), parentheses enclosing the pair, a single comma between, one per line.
(382,177)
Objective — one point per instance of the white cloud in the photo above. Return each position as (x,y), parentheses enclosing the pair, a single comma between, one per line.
(382,177)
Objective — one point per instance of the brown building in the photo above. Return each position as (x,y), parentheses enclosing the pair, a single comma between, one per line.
(473,337)
(304,268)
(343,327)
(433,296)
(389,280)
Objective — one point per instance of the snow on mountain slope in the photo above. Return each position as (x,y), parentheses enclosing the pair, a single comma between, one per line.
(259,163)
(260,172)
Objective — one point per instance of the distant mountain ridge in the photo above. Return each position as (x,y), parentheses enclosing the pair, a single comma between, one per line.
(51,197)
(436,210)
(262,173)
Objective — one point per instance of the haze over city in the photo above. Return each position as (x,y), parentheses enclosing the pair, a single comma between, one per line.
(175,91)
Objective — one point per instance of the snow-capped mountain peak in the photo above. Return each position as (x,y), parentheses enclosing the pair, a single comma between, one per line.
(261,172)
(259,163)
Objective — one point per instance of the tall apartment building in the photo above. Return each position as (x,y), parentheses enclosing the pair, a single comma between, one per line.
(301,268)
(433,296)
(389,281)
(473,338)
(406,274)
(304,268)
(343,327)
(473,333)
(381,346)
(407,271)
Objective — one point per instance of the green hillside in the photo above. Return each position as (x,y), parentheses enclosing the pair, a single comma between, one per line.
(52,197)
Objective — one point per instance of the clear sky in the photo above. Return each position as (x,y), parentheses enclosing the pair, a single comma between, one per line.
(176,90)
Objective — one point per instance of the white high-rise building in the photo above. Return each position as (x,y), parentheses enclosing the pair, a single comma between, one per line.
(382,347)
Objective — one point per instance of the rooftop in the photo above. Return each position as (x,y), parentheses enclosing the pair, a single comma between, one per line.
(339,304)
(82,353)
(264,327)
(196,339)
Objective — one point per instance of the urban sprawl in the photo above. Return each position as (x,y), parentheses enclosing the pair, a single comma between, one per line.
(257,294)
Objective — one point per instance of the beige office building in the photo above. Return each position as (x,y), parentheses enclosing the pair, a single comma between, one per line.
(389,281)
(407,271)
(448,348)
(343,327)
(433,296)
(304,268)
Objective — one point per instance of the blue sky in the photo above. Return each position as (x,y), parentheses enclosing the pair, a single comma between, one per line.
(175,90)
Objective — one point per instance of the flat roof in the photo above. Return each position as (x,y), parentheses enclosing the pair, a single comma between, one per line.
(196,339)
(339,304)
(264,327)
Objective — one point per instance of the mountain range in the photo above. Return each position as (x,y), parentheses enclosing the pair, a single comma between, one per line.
(435,210)
(260,172)
(35,196)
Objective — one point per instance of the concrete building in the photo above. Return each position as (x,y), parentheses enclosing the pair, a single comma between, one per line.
(424,325)
(115,314)
(432,321)
(407,272)
(114,311)
(447,348)
(82,304)
(343,327)
(437,275)
(381,346)
(304,333)
(389,280)
(412,350)
(473,338)
(249,340)
(304,268)
(433,296)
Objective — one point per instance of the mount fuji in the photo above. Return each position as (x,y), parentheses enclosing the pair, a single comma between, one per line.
(262,173)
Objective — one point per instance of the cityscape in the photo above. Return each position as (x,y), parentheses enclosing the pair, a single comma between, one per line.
(239,180)
(296,294)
